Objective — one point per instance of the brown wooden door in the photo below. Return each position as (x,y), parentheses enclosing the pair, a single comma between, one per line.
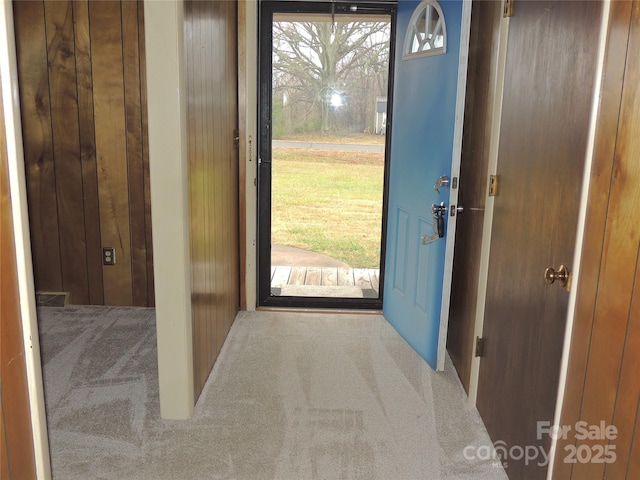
(546,109)
(485,27)
(212,119)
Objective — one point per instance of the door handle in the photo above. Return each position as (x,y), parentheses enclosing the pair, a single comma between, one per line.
(563,276)
(440,226)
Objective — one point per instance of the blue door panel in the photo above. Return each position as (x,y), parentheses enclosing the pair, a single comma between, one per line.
(424,107)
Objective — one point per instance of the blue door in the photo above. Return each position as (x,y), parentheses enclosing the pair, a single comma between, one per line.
(428,108)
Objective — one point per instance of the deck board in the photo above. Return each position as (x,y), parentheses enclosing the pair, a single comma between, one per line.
(325,281)
(345,276)
(329,277)
(361,278)
(298,275)
(314,276)
(281,276)
(374,275)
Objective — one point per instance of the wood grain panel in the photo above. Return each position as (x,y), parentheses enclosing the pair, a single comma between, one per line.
(66,149)
(212,248)
(111,147)
(232,266)
(627,400)
(209,142)
(133,111)
(145,157)
(243,152)
(208,201)
(604,384)
(210,56)
(611,385)
(190,48)
(83,100)
(31,47)
(604,151)
(483,51)
(218,103)
(17,448)
(633,470)
(4,453)
(84,77)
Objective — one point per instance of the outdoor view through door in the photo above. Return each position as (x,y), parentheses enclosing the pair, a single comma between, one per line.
(323,162)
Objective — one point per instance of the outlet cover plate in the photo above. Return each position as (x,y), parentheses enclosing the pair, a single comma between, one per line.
(108,256)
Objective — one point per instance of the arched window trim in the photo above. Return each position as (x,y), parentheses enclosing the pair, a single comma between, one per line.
(413,29)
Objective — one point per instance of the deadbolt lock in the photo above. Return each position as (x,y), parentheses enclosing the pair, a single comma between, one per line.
(443,181)
(563,276)
(439,211)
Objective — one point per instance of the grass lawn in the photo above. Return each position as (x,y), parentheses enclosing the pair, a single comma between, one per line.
(330,202)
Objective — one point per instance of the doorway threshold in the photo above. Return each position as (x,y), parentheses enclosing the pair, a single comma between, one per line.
(335,311)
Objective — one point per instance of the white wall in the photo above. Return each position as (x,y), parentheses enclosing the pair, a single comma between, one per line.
(166,96)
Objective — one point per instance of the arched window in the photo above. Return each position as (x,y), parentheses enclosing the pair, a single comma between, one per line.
(427,32)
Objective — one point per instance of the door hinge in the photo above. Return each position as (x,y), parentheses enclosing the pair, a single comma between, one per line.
(493,185)
(454,183)
(508,8)
(479,346)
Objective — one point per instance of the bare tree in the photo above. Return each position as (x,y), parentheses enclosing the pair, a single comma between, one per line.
(314,60)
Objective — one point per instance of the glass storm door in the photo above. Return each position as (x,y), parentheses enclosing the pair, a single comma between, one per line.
(324,89)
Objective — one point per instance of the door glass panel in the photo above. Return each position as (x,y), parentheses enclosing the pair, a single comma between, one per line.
(427,33)
(328,126)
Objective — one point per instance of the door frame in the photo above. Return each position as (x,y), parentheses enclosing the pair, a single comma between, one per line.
(263,178)
(21,234)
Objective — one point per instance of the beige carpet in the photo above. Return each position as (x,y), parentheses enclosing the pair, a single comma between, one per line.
(292,396)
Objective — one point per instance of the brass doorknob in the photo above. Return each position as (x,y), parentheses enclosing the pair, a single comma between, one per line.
(562,275)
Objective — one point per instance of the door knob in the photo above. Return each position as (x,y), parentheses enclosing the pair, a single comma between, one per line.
(562,275)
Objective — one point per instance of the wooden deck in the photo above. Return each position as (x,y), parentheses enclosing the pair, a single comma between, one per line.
(325,281)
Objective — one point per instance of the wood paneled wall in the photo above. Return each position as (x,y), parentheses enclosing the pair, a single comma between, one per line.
(211,63)
(603,381)
(82,91)
(17,460)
